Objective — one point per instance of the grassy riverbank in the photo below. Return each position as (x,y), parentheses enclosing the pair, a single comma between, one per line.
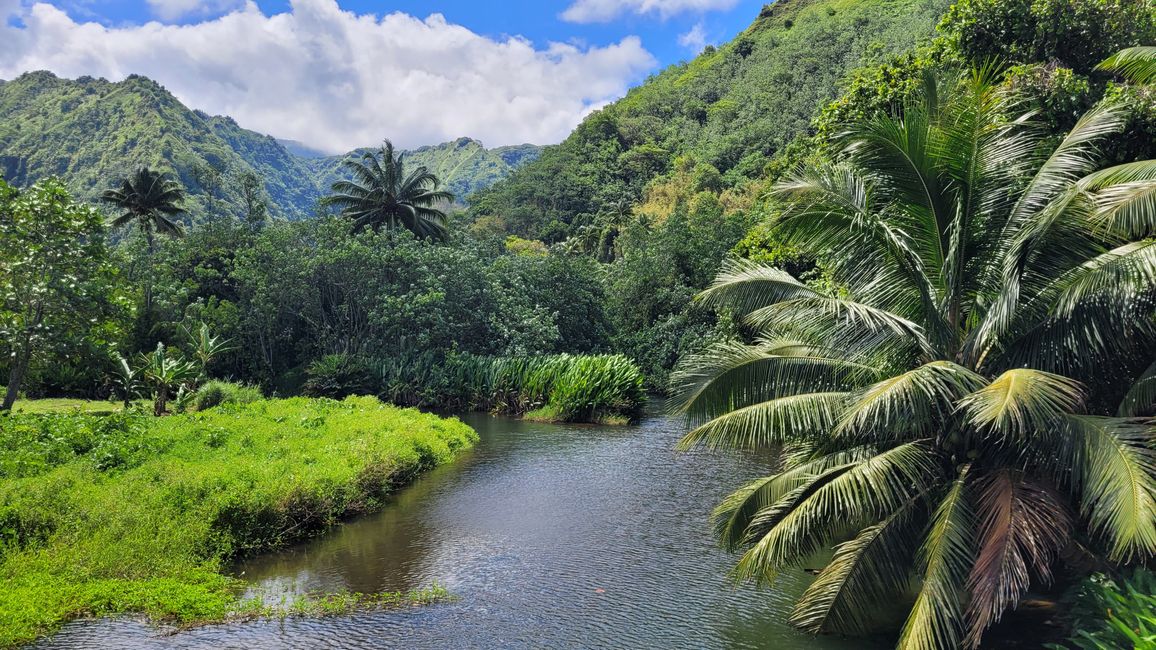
(127,513)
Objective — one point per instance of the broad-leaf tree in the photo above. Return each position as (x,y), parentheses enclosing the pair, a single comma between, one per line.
(56,280)
(952,414)
(383,194)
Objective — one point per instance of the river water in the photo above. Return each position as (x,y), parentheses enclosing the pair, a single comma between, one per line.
(550,537)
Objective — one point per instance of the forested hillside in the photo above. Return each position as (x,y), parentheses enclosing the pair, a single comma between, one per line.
(727,112)
(464,165)
(90,131)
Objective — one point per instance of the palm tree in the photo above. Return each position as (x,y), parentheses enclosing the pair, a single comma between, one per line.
(950,416)
(383,194)
(1136,64)
(148,199)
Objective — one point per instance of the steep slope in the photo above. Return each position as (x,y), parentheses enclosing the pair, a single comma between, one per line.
(731,108)
(464,165)
(91,131)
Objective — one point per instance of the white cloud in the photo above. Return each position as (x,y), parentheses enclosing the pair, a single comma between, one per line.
(175,9)
(600,11)
(695,39)
(336,80)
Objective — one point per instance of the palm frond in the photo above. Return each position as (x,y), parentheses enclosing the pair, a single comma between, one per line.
(809,519)
(773,422)
(1136,64)
(1076,156)
(732,375)
(733,517)
(1141,397)
(747,286)
(843,324)
(914,403)
(1022,528)
(1114,462)
(1023,401)
(872,568)
(947,552)
(1118,279)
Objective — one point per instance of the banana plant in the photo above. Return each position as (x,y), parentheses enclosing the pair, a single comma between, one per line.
(165,373)
(125,379)
(206,347)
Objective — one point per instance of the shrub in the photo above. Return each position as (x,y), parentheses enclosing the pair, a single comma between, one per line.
(1108,613)
(215,393)
(337,376)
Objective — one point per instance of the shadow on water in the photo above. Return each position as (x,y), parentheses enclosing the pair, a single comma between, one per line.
(550,536)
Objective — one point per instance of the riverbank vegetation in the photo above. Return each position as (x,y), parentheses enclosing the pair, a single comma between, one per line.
(553,388)
(130,513)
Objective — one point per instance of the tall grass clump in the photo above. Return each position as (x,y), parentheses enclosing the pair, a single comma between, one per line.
(560,388)
(217,392)
(129,513)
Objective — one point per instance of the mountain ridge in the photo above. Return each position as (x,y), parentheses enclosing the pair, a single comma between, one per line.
(90,131)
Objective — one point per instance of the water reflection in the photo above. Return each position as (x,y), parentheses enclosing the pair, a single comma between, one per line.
(552,536)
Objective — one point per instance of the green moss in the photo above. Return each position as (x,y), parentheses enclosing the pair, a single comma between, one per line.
(127,513)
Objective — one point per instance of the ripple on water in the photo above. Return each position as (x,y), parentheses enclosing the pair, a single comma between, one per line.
(551,536)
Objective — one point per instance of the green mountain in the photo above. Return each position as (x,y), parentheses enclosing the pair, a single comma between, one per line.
(725,114)
(91,131)
(464,165)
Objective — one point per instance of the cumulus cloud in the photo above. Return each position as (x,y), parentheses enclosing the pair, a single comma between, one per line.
(175,9)
(335,80)
(695,39)
(600,11)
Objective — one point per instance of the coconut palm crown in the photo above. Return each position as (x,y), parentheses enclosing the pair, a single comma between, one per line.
(382,193)
(147,198)
(965,408)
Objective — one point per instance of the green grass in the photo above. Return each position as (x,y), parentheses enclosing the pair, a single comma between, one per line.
(66,405)
(129,513)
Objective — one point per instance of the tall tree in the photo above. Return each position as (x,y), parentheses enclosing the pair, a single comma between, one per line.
(953,411)
(55,274)
(253,200)
(383,194)
(210,177)
(148,199)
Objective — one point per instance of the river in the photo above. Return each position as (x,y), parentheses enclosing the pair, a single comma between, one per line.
(550,537)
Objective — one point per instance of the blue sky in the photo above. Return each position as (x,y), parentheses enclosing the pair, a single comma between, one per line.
(342,73)
(537,20)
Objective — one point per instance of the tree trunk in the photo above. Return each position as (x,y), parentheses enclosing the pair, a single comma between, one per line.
(15,379)
(23,357)
(162,401)
(148,290)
